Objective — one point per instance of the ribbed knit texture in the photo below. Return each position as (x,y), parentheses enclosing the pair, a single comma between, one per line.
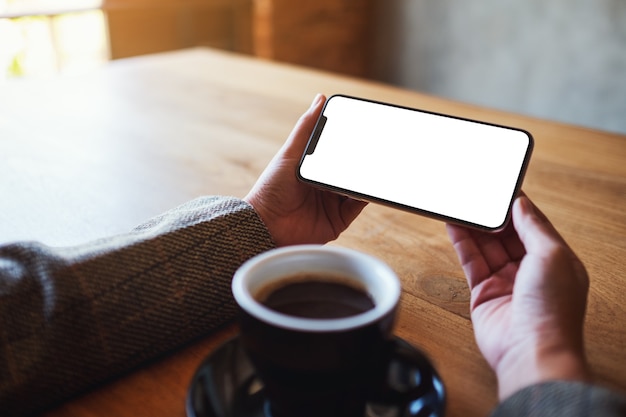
(562,398)
(71,318)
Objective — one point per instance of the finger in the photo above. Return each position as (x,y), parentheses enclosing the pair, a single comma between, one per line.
(350,209)
(533,227)
(299,137)
(471,258)
(493,249)
(512,243)
(496,249)
(540,237)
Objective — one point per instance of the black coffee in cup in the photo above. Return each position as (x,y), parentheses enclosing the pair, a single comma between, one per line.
(316,296)
(316,324)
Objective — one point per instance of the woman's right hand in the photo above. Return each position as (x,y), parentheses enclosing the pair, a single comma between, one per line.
(528,299)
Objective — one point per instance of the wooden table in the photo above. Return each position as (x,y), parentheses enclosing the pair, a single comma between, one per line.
(91,156)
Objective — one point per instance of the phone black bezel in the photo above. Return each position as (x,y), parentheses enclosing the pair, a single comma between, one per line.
(319,126)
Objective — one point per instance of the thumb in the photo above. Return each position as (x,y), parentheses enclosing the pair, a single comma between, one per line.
(299,137)
(541,238)
(534,229)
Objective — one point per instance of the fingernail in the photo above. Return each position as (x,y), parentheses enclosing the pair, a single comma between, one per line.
(316,100)
(526,205)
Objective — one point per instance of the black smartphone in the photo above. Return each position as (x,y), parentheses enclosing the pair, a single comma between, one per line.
(454,169)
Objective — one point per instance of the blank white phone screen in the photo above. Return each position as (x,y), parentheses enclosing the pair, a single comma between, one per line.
(456,168)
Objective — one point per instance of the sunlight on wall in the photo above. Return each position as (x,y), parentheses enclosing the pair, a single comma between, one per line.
(37,41)
(32,7)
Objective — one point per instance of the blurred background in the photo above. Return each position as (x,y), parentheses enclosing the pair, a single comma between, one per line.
(563,60)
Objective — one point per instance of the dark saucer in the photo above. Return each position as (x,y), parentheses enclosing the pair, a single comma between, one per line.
(225,385)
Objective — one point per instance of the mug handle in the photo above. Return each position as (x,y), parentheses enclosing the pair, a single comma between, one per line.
(410,380)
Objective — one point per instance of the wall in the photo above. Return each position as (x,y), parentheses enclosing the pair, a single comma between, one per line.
(327,34)
(139,27)
(561,59)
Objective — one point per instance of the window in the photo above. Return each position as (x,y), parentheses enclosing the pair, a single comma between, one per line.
(47,37)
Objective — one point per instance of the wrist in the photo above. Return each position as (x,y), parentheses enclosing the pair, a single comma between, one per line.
(519,370)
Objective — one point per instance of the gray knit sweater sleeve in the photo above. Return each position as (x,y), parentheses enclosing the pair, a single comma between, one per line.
(561,398)
(71,318)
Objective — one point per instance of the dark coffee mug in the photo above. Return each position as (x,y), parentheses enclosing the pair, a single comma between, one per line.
(317,326)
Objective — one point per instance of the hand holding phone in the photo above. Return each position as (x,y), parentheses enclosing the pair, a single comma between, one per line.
(457,170)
